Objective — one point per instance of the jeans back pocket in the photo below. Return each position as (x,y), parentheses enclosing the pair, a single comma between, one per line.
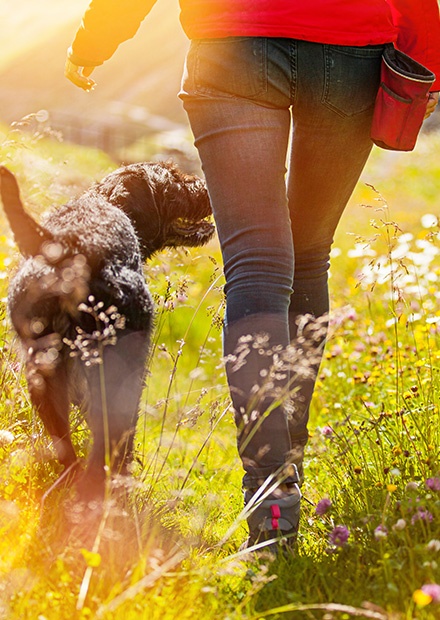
(352,78)
(234,67)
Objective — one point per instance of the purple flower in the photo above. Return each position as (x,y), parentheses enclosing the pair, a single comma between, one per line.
(327,431)
(433,484)
(380,532)
(421,515)
(432,590)
(323,506)
(339,536)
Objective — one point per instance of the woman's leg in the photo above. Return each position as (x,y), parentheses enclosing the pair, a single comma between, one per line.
(242,146)
(335,93)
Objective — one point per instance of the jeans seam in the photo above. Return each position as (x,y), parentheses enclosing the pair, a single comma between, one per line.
(360,52)
(327,61)
(293,72)
(263,68)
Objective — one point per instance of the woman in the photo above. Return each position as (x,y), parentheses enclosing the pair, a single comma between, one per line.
(264,82)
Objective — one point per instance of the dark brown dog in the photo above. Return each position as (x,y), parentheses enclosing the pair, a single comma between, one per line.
(80,303)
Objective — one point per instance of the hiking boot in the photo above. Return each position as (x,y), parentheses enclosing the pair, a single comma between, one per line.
(273,518)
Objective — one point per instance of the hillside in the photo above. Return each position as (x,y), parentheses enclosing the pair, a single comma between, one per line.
(135,101)
(142,79)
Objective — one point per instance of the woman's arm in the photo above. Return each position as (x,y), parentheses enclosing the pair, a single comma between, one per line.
(104,26)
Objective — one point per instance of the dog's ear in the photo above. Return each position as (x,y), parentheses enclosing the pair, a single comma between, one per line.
(29,235)
(130,190)
(185,207)
(188,193)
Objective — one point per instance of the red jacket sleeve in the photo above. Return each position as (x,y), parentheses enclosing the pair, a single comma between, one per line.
(105,25)
(418,24)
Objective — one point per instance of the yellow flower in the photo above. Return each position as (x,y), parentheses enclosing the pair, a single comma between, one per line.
(421,599)
(391,488)
(93,559)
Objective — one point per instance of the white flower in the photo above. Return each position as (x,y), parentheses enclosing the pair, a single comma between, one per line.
(412,486)
(399,525)
(433,545)
(429,220)
(6,438)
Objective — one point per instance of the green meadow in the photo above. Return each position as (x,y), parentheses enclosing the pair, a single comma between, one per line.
(170,549)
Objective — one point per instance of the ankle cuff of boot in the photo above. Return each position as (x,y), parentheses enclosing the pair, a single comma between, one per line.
(288,476)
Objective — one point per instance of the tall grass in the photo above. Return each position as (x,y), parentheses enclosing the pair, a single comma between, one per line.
(373,455)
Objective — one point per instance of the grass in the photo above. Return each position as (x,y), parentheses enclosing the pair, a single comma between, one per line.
(373,451)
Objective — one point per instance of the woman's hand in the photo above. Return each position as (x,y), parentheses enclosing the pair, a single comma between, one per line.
(79,75)
(432,103)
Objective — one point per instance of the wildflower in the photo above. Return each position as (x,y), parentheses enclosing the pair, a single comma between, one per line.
(323,506)
(391,488)
(339,535)
(433,545)
(93,559)
(380,532)
(421,598)
(421,515)
(6,438)
(429,220)
(358,377)
(432,590)
(9,512)
(399,525)
(327,431)
(433,484)
(412,486)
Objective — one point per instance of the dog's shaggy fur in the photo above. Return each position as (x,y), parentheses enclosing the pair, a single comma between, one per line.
(80,303)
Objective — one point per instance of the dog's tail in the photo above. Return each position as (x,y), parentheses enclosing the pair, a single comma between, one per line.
(29,235)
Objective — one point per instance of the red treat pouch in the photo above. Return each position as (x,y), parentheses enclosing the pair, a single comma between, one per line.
(401,101)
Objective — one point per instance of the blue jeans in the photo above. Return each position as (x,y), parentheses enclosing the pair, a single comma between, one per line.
(256,105)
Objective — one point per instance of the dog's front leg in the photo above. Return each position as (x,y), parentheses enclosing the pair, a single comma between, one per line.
(115,391)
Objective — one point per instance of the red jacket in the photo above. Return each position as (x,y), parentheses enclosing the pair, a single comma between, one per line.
(414,25)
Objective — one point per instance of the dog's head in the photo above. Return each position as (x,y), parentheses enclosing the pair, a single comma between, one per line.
(167,207)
